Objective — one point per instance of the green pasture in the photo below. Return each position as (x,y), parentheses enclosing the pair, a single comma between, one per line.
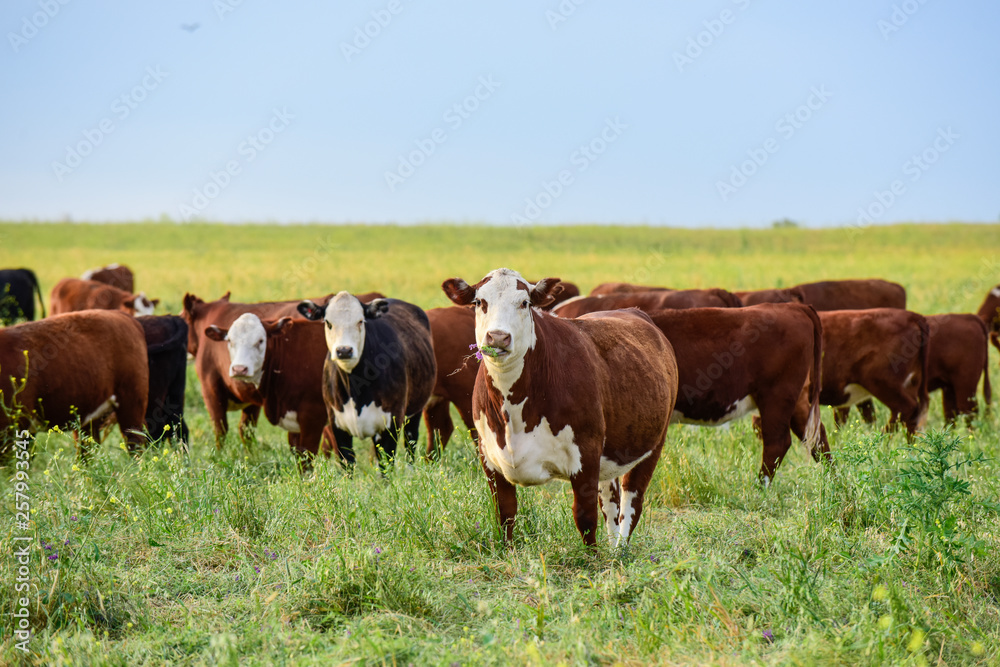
(233,557)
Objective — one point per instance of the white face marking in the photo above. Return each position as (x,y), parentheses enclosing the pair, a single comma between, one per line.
(101,410)
(737,410)
(855,394)
(610,510)
(995,291)
(508,311)
(532,457)
(345,329)
(372,420)
(290,422)
(247,343)
(143,306)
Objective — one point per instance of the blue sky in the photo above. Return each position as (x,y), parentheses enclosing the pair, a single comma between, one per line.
(729,113)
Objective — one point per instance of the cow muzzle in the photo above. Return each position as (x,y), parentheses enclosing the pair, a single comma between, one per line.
(344,352)
(238,371)
(498,340)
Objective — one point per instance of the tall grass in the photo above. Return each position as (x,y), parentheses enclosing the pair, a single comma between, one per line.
(234,557)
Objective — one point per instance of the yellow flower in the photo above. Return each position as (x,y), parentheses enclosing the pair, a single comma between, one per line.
(170,510)
(113,500)
(155,459)
(166,427)
(75,468)
(170,494)
(121,445)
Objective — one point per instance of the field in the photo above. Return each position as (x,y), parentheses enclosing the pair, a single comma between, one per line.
(232,557)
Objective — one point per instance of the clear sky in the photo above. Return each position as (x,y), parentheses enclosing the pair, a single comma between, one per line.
(728,113)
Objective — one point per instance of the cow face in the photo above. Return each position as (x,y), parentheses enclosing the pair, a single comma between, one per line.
(504,321)
(346,321)
(139,304)
(247,342)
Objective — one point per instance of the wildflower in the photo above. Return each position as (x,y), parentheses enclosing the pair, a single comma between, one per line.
(121,446)
(256,568)
(75,468)
(237,577)
(166,427)
(170,510)
(170,494)
(155,459)
(47,546)
(377,551)
(73,518)
(768,636)
(53,556)
(66,543)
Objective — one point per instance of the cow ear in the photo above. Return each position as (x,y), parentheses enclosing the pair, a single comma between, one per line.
(129,303)
(375,309)
(225,297)
(459,291)
(544,292)
(311,311)
(155,302)
(279,326)
(215,333)
(190,301)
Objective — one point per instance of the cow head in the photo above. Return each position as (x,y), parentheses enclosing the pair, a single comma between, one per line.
(139,304)
(247,342)
(503,301)
(346,320)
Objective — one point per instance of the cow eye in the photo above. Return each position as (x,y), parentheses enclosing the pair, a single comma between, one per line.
(475,302)
(524,304)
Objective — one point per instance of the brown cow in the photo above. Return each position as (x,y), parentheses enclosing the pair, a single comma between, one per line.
(834,295)
(72,294)
(754,297)
(959,355)
(881,353)
(211,363)
(278,365)
(116,275)
(453,331)
(586,400)
(74,370)
(989,313)
(648,301)
(625,288)
(765,358)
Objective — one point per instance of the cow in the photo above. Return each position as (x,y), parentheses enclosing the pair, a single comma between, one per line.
(648,301)
(734,361)
(17,295)
(220,391)
(989,313)
(73,294)
(72,371)
(625,288)
(879,352)
(852,294)
(778,295)
(587,400)
(379,371)
(959,354)
(453,331)
(166,354)
(115,275)
(277,365)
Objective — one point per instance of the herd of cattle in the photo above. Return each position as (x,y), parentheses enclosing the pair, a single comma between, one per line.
(551,384)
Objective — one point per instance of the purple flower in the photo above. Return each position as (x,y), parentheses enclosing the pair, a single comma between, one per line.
(73,518)
(768,636)
(48,546)
(654,559)
(66,543)
(256,568)
(215,511)
(53,556)
(377,550)
(237,577)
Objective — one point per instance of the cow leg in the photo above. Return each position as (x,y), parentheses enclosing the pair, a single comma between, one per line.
(950,404)
(215,403)
(840,416)
(345,446)
(820,448)
(311,425)
(328,441)
(411,433)
(867,410)
(437,419)
(610,497)
(248,423)
(504,499)
(775,425)
(633,493)
(902,400)
(585,499)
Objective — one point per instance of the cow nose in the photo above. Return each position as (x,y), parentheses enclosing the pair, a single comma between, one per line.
(238,371)
(345,352)
(500,339)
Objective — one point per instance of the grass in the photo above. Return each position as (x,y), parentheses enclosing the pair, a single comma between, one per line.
(233,557)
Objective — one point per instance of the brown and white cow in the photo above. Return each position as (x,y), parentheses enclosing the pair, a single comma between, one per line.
(453,330)
(586,400)
(75,369)
(379,371)
(648,301)
(879,352)
(116,275)
(989,313)
(221,392)
(73,294)
(278,365)
(765,359)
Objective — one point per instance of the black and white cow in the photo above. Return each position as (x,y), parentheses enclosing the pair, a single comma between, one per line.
(17,295)
(379,372)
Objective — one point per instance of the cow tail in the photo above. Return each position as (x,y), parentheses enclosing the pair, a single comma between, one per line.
(925,369)
(38,291)
(814,422)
